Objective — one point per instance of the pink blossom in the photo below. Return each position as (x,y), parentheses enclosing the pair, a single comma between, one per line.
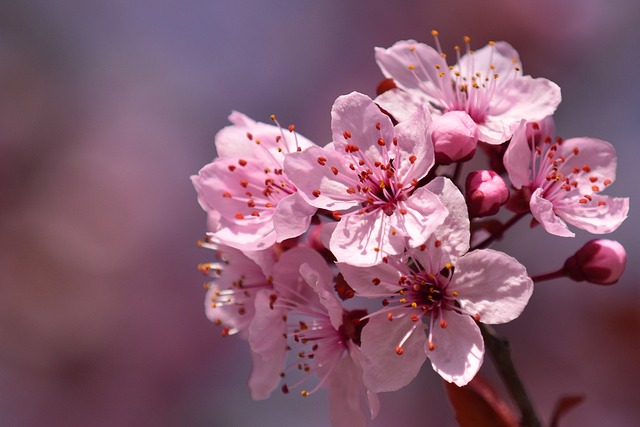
(237,277)
(562,180)
(488,84)
(251,203)
(368,177)
(599,261)
(432,297)
(302,317)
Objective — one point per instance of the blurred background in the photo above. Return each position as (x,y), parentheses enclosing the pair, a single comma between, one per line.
(107,108)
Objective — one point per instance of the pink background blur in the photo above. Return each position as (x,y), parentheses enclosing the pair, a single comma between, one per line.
(107,108)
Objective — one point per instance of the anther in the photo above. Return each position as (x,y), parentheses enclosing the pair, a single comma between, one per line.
(399,351)
(432,346)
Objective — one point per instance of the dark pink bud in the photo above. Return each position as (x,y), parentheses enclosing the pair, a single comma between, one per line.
(599,261)
(454,136)
(485,191)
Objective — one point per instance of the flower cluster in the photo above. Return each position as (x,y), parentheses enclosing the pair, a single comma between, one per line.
(348,265)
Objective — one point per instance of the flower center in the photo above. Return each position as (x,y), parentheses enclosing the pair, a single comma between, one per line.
(261,182)
(465,86)
(557,180)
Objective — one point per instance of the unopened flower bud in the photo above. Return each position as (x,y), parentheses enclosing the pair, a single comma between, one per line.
(454,136)
(599,261)
(485,192)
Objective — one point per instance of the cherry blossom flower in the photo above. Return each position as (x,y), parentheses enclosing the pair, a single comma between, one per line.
(432,297)
(251,203)
(562,180)
(368,177)
(488,84)
(301,316)
(236,278)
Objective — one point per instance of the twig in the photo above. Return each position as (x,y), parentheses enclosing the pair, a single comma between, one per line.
(498,235)
(500,352)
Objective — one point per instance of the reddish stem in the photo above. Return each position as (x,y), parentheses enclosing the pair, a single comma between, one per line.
(549,276)
(498,234)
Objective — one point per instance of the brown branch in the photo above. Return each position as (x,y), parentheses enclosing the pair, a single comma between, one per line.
(500,352)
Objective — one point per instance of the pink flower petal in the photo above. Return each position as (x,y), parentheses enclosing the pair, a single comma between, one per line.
(416,154)
(492,284)
(268,347)
(320,277)
(525,98)
(257,235)
(494,130)
(292,217)
(395,61)
(319,184)
(517,157)
(499,59)
(357,114)
(453,235)
(345,394)
(384,369)
(595,155)
(363,279)
(601,215)
(287,278)
(401,104)
(234,141)
(363,240)
(459,349)
(424,214)
(543,211)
